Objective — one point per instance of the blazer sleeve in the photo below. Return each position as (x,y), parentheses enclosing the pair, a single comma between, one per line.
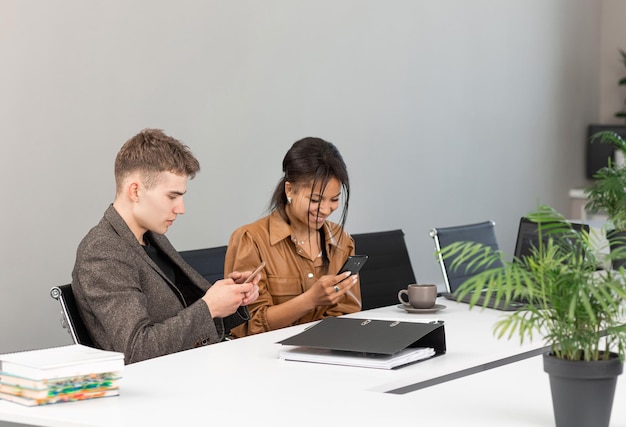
(225,324)
(127,307)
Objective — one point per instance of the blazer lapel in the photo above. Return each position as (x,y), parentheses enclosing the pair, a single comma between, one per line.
(122,229)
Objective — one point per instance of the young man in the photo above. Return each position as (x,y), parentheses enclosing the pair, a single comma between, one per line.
(135,293)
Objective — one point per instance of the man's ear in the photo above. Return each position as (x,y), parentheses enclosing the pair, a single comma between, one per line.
(133,191)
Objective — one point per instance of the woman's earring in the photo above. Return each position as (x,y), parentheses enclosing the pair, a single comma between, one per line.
(288,200)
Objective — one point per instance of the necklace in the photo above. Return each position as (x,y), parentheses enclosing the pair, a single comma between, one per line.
(297,241)
(301,242)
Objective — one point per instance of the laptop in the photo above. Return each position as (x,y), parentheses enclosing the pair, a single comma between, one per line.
(484,302)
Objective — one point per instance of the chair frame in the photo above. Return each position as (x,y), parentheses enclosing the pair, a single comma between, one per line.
(70,317)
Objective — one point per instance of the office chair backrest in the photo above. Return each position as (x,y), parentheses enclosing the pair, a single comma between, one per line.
(209,262)
(483,232)
(71,319)
(387,270)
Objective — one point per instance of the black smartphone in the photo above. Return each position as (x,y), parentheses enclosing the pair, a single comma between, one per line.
(353,264)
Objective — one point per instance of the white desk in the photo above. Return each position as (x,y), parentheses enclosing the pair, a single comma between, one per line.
(244,381)
(471,346)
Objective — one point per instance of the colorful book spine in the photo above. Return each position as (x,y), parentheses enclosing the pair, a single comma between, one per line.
(41,392)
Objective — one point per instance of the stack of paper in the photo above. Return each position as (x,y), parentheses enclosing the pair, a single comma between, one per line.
(59,374)
(352,358)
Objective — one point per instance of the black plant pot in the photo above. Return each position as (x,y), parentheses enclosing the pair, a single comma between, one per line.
(617,242)
(582,392)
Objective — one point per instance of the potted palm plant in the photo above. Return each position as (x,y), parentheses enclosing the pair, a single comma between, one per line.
(577,309)
(607,194)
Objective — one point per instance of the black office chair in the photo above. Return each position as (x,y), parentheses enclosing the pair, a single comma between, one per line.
(483,232)
(209,262)
(388,269)
(70,318)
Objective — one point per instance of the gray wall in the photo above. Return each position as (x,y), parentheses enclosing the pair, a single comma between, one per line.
(446,111)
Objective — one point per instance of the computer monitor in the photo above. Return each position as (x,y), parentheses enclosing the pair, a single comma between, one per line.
(598,153)
(528,236)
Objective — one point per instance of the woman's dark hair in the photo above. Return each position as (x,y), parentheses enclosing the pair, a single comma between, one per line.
(312,160)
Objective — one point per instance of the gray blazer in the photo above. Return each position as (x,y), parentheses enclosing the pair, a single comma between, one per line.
(128,304)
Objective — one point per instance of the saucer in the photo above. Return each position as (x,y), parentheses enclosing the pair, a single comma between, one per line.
(435,308)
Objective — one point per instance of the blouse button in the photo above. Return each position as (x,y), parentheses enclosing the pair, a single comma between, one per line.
(310,275)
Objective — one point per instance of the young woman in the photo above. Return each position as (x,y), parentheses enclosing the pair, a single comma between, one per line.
(303,251)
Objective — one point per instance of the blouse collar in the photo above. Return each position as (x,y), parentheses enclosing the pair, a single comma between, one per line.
(280,230)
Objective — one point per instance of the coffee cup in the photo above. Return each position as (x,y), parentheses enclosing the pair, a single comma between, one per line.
(419,296)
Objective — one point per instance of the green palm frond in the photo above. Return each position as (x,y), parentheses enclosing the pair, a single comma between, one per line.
(569,302)
(607,192)
(609,137)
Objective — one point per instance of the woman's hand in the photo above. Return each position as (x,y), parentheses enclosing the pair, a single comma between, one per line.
(328,290)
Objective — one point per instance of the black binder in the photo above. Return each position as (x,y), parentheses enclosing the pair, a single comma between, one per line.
(370,336)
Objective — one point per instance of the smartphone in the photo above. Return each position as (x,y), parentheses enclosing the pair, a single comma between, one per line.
(353,264)
(255,272)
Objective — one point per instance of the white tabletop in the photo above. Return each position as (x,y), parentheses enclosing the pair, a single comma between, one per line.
(243,381)
(470,341)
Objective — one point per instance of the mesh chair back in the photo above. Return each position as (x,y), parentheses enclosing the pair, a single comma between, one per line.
(483,232)
(209,262)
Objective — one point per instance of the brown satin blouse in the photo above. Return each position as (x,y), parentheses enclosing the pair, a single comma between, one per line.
(288,271)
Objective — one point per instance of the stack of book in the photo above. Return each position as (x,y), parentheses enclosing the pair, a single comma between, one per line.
(59,374)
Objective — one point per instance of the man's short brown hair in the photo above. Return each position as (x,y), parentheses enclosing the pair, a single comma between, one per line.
(151,152)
